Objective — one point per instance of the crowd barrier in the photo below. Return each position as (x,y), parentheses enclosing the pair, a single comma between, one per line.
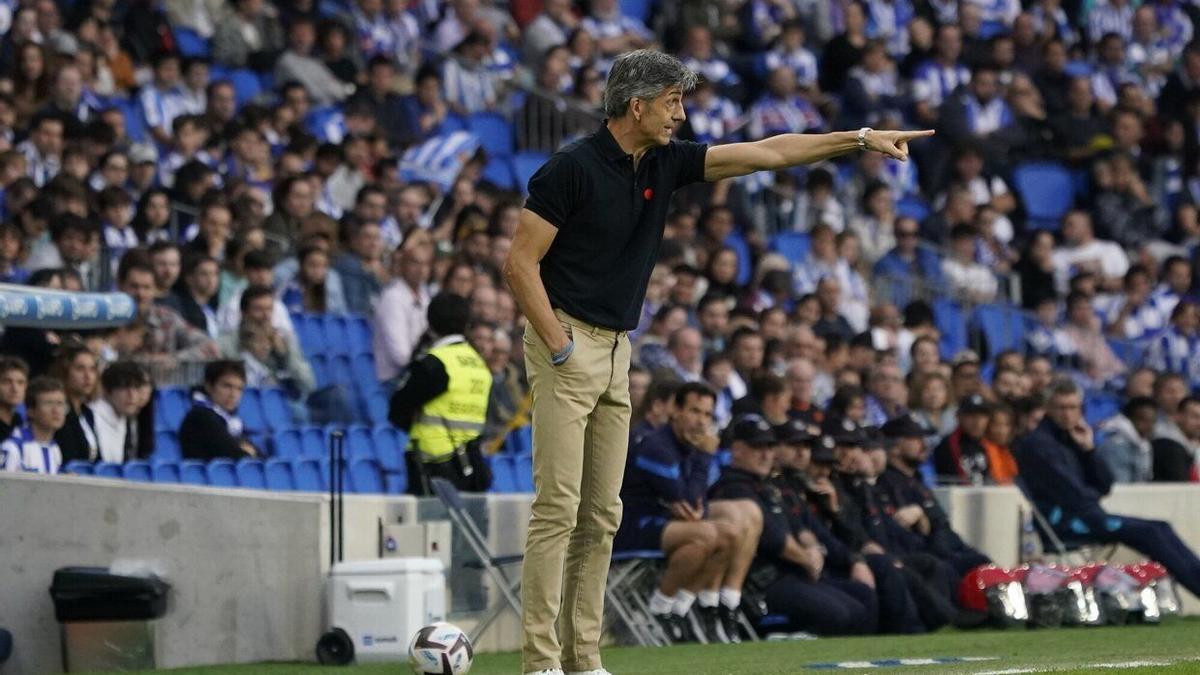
(248,566)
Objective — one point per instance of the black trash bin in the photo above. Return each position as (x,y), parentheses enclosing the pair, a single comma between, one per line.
(107,618)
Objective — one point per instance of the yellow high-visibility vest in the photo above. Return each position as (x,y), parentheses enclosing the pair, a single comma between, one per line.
(457,415)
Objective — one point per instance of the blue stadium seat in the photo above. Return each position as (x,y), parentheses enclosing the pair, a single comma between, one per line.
(390,444)
(166,446)
(377,407)
(359,443)
(312,442)
(251,412)
(912,206)
(327,474)
(279,475)
(135,119)
(519,441)
(340,371)
(948,315)
(363,366)
(165,472)
(169,408)
(523,471)
(337,338)
(1131,352)
(525,164)
(79,467)
(494,132)
(745,259)
(311,334)
(792,245)
(107,470)
(222,473)
(724,457)
(499,172)
(320,367)
(246,85)
(192,472)
(287,443)
(276,412)
(1047,191)
(365,477)
(191,44)
(359,330)
(1002,326)
(137,470)
(318,117)
(1099,406)
(307,474)
(250,474)
(504,477)
(638,9)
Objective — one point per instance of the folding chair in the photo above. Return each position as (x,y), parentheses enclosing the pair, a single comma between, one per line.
(1071,551)
(493,564)
(626,595)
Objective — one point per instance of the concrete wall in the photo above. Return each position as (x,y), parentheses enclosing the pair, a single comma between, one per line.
(248,567)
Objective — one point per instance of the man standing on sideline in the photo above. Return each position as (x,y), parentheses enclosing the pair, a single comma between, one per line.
(587,241)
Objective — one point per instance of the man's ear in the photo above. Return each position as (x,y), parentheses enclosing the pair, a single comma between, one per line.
(635,107)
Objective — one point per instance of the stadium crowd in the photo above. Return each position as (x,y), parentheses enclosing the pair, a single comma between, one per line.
(234,164)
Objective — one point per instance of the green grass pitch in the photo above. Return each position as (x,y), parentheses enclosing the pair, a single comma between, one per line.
(1172,647)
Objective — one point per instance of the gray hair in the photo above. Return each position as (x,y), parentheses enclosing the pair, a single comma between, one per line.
(644,74)
(1063,385)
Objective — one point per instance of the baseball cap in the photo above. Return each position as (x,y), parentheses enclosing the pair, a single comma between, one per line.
(844,431)
(974,404)
(142,153)
(795,432)
(752,430)
(873,438)
(823,450)
(904,426)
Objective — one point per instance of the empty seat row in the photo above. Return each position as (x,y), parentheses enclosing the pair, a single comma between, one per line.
(332,334)
(306,474)
(511,473)
(261,410)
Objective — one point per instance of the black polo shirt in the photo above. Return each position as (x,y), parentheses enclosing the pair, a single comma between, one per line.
(610,222)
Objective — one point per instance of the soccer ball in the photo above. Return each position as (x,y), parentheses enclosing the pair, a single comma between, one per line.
(440,649)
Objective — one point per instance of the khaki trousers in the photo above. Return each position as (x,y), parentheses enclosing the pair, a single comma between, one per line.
(580,439)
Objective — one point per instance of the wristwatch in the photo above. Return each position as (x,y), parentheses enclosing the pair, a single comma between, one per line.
(862,137)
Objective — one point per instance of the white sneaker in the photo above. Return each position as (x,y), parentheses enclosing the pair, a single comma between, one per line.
(598,671)
(548,671)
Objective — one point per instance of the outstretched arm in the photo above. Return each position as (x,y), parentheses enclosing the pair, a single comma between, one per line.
(787,150)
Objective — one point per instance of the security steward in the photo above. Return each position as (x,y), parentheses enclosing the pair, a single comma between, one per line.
(897,608)
(909,502)
(442,403)
(789,570)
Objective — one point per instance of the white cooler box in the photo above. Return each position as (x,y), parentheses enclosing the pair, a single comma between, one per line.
(381,604)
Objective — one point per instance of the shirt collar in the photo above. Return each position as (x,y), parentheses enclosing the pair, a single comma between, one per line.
(609,148)
(448,340)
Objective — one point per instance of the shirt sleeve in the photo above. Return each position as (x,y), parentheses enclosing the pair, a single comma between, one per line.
(688,156)
(556,189)
(425,380)
(660,468)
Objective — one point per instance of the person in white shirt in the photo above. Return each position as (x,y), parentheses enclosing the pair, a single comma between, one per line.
(1082,252)
(32,448)
(400,316)
(968,280)
(116,411)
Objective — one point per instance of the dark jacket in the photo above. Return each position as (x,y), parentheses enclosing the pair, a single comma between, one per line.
(181,301)
(72,440)
(1059,475)
(961,458)
(204,435)
(793,488)
(663,469)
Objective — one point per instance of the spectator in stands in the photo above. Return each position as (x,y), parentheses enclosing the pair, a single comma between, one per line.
(196,300)
(873,92)
(169,340)
(1065,476)
(782,109)
(801,377)
(938,79)
(961,458)
(1126,212)
(1126,446)
(31,447)
(361,268)
(654,408)
(788,568)
(888,395)
(1177,349)
(165,260)
(1099,362)
(14,378)
(259,269)
(162,100)
(746,352)
(212,428)
(966,279)
(1082,251)
(314,287)
(789,51)
(76,245)
(250,37)
(443,400)
(298,63)
(1175,284)
(615,33)
(468,86)
(400,316)
(909,269)
(78,369)
(831,323)
(386,105)
(1134,315)
(979,111)
(700,56)
(550,28)
(116,411)
(708,545)
(997,442)
(1175,458)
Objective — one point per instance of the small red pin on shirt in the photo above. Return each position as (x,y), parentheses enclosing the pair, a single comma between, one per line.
(648,193)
